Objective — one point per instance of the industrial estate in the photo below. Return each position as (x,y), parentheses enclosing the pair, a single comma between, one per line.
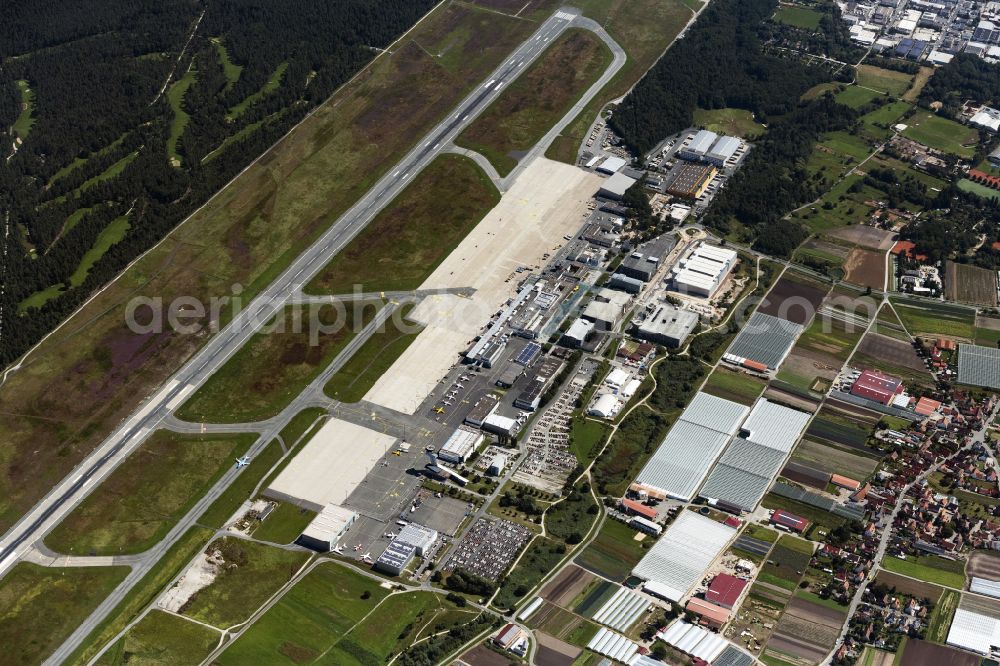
(559,411)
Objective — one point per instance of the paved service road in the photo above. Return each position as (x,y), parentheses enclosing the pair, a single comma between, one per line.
(154,413)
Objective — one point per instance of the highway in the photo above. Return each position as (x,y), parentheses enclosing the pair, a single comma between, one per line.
(157,410)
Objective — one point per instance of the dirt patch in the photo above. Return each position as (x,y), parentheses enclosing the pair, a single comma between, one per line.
(865,236)
(483,656)
(793,301)
(922,653)
(807,629)
(814,613)
(988,323)
(199,575)
(984,565)
(789,644)
(554,652)
(892,352)
(776,394)
(866,268)
(567,585)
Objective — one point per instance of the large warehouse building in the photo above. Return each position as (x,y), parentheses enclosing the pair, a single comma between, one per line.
(692,445)
(689,181)
(750,463)
(460,445)
(678,560)
(327,528)
(668,325)
(699,145)
(703,271)
(615,186)
(723,150)
(642,263)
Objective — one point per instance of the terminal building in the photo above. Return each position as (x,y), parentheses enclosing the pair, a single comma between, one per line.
(703,271)
(668,325)
(689,181)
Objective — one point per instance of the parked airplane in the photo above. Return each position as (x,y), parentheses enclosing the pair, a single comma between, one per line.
(367,556)
(439,410)
(242,462)
(357,548)
(338,550)
(446,402)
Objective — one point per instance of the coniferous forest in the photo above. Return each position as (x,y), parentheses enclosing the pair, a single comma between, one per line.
(118,118)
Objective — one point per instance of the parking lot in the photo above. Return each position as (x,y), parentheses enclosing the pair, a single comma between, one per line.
(489,548)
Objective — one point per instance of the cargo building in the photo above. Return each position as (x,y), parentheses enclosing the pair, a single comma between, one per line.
(689,181)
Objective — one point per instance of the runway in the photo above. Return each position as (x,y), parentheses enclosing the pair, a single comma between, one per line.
(158,409)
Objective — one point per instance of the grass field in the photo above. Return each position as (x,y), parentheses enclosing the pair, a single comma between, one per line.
(175,96)
(736,386)
(403,245)
(40,607)
(371,361)
(143,593)
(230,69)
(644,28)
(928,568)
(269,87)
(967,185)
(272,368)
(613,552)
(586,437)
(242,488)
(111,234)
(147,494)
(26,118)
(800,17)
(941,133)
(732,122)
(885,80)
(309,619)
(284,524)
(538,560)
(537,99)
(88,376)
(253,572)
(243,133)
(161,638)
(882,117)
(940,619)
(856,96)
(930,318)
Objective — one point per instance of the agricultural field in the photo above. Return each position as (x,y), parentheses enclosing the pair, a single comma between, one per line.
(90,374)
(941,617)
(843,424)
(562,625)
(936,319)
(380,351)
(866,236)
(537,99)
(595,597)
(614,551)
(644,28)
(146,495)
(904,585)
(942,134)
(403,245)
(277,363)
(309,619)
(966,283)
(728,121)
(984,564)
(929,568)
(884,80)
(795,298)
(835,459)
(896,357)
(788,557)
(161,638)
(987,331)
(733,385)
(40,607)
(251,574)
(799,17)
(924,653)
(865,268)
(807,630)
(571,583)
(811,513)
(820,352)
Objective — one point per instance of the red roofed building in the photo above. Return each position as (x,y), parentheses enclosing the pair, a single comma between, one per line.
(845,482)
(877,386)
(907,247)
(725,590)
(789,520)
(984,178)
(635,508)
(926,406)
(710,614)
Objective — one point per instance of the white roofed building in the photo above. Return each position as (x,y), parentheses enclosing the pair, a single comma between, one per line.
(460,445)
(326,529)
(722,150)
(699,145)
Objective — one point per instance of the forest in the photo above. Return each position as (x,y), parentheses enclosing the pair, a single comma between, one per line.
(721,62)
(965,77)
(124,116)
